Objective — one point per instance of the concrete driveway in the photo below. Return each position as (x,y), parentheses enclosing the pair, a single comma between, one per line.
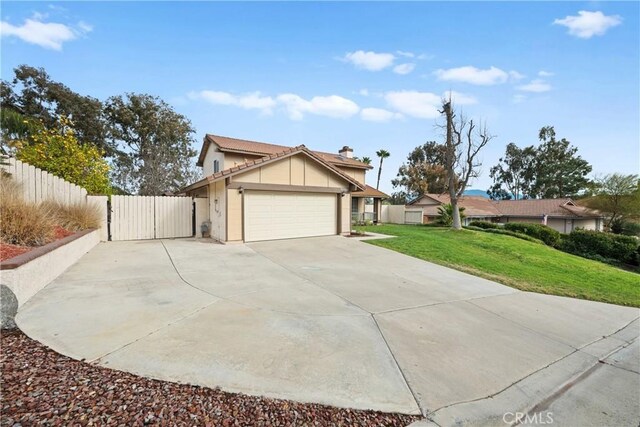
(337,321)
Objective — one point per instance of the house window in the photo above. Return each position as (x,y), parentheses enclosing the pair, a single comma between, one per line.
(216,166)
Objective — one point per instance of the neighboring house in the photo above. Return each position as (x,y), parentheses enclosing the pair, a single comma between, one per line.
(563,214)
(256,191)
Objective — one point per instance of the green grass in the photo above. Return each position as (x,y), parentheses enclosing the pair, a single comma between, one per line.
(514,262)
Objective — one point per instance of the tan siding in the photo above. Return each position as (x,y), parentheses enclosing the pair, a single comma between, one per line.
(357,174)
(232,159)
(251,176)
(297,170)
(234,212)
(276,173)
(315,175)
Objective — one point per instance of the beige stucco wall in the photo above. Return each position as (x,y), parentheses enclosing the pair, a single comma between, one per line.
(212,154)
(234,215)
(28,279)
(217,210)
(345,214)
(357,174)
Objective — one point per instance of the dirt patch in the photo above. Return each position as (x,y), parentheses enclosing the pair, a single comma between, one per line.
(40,386)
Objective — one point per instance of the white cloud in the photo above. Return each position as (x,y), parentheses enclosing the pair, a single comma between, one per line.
(363,92)
(249,101)
(330,106)
(49,35)
(404,68)
(378,115)
(543,73)
(536,86)
(473,75)
(460,98)
(87,28)
(295,106)
(370,61)
(514,75)
(422,105)
(406,54)
(588,24)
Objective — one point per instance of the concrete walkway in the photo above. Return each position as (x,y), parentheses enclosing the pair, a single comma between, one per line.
(337,321)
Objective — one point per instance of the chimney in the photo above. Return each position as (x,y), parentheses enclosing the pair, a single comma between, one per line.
(346,151)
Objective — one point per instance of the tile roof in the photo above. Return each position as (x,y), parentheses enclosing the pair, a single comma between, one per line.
(370,192)
(473,205)
(226,143)
(541,207)
(481,206)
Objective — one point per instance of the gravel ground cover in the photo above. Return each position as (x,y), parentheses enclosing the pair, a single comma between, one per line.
(41,387)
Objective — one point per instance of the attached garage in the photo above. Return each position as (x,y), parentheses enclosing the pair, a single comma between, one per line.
(271,215)
(287,195)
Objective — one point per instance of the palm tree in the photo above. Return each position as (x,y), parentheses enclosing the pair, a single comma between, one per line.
(366,160)
(383,154)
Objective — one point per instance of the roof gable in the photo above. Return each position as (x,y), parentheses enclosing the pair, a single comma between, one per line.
(245,167)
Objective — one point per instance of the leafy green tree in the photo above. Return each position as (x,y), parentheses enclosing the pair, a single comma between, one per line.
(514,175)
(366,160)
(382,154)
(423,173)
(58,152)
(33,94)
(560,172)
(446,214)
(618,197)
(154,143)
(15,129)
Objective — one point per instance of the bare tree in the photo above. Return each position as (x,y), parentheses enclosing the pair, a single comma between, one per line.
(464,140)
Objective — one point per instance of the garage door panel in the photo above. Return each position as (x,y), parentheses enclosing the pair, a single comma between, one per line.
(283,215)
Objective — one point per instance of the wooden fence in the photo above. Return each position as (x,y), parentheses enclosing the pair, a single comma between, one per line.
(150,217)
(38,185)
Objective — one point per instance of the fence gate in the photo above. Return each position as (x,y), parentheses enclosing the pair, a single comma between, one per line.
(150,217)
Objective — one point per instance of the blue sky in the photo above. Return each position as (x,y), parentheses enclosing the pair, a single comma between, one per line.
(368,75)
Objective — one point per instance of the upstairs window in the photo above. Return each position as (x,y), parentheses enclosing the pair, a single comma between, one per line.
(216,166)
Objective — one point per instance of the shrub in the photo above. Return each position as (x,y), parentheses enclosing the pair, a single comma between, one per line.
(446,214)
(506,233)
(61,154)
(484,224)
(22,223)
(76,216)
(590,244)
(548,235)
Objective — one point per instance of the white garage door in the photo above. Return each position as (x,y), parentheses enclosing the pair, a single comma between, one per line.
(283,215)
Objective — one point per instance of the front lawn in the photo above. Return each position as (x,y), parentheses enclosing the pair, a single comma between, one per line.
(514,262)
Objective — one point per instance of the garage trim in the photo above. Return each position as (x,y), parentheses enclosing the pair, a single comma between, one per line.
(282,187)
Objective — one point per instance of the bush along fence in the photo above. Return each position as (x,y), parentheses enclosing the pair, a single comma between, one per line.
(40,186)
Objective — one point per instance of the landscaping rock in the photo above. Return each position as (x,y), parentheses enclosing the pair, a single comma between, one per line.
(8,308)
(42,387)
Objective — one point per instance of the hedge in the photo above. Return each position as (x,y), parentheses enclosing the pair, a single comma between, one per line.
(548,235)
(595,244)
(484,224)
(506,233)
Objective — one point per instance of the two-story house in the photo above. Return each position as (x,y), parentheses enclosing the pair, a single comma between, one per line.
(255,191)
